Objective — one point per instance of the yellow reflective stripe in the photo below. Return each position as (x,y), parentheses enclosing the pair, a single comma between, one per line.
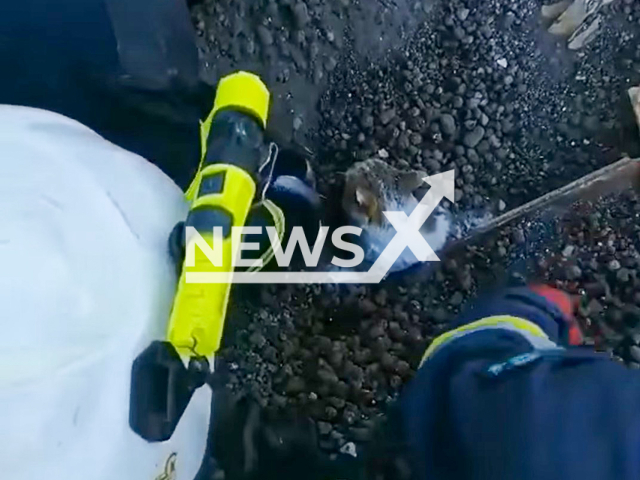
(279,224)
(515,323)
(204,134)
(205,128)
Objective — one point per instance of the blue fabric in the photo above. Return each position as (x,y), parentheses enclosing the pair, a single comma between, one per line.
(481,408)
(519,302)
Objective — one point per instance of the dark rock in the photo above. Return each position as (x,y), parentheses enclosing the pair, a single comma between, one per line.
(395,382)
(387,115)
(623,275)
(295,385)
(403,368)
(362,356)
(473,138)
(367,306)
(330,413)
(573,272)
(381,297)
(257,339)
(413,335)
(376,331)
(415,139)
(518,236)
(634,351)
(327,444)
(388,362)
(396,332)
(440,315)
(330,64)
(594,307)
(270,354)
(463,14)
(328,377)
(301,15)
(336,358)
(324,428)
(448,124)
(367,121)
(350,415)
(341,389)
(353,372)
(323,344)
(613,265)
(456,299)
(265,35)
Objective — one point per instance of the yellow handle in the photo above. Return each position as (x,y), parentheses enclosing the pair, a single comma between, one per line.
(243,91)
(220,193)
(197,319)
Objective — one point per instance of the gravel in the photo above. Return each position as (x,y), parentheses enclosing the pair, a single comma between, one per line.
(477,87)
(473,138)
(448,124)
(344,352)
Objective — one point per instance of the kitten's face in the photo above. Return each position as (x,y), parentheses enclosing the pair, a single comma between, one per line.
(373,187)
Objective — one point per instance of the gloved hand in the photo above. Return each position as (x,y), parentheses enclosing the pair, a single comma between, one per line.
(286,199)
(249,442)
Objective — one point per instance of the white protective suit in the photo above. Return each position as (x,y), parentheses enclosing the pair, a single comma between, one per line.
(86,283)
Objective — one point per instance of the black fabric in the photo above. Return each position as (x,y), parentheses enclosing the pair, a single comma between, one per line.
(212,184)
(161,388)
(236,138)
(253,443)
(127,69)
(205,218)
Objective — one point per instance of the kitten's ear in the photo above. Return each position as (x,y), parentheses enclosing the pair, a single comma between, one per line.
(367,202)
(411,181)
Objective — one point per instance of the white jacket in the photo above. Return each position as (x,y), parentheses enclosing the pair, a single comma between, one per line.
(86,283)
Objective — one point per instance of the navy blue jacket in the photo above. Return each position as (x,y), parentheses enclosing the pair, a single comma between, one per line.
(499,403)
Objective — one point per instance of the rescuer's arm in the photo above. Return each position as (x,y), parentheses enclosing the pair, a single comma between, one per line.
(506,394)
(258,444)
(498,326)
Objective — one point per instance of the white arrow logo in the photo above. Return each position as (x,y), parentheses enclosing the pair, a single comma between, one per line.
(407,236)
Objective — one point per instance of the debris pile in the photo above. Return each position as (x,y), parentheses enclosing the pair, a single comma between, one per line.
(480,87)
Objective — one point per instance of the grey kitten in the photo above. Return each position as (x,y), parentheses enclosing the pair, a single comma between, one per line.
(373,187)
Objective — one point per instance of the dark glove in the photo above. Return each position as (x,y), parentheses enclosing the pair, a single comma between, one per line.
(250,442)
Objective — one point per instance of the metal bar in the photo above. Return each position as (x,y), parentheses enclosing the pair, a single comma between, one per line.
(617,176)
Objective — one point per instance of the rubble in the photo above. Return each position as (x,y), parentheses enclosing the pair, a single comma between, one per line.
(476,87)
